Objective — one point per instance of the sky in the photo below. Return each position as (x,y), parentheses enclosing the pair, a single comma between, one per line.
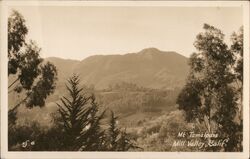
(81,31)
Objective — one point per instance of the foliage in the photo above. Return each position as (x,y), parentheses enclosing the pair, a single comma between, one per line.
(210,94)
(29,75)
(80,119)
(17,31)
(44,138)
(18,134)
(77,126)
(117,139)
(159,134)
(113,133)
(237,49)
(126,101)
(211,100)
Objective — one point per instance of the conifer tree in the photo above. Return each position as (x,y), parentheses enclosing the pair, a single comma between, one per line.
(113,133)
(125,142)
(81,119)
(118,140)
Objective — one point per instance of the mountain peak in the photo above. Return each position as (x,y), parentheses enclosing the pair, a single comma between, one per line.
(149,53)
(149,50)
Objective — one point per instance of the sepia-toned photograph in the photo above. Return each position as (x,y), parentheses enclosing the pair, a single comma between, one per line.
(125,78)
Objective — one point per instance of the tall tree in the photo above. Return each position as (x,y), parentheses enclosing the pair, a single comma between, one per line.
(113,133)
(210,95)
(28,74)
(81,120)
(118,139)
(237,49)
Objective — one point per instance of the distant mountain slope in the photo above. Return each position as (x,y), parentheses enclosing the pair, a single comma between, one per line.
(149,68)
(65,67)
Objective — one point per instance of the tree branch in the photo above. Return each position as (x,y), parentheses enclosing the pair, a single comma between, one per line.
(10,91)
(18,105)
(13,83)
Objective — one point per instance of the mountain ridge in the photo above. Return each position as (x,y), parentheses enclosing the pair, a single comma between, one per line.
(149,67)
(151,49)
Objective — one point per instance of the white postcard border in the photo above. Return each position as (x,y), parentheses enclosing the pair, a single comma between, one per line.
(122,155)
